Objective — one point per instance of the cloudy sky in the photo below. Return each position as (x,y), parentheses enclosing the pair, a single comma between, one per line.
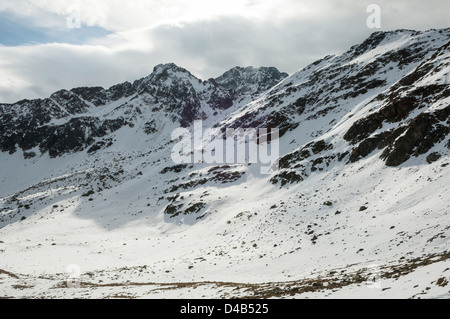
(47,45)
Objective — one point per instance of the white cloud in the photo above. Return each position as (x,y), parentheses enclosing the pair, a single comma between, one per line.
(124,15)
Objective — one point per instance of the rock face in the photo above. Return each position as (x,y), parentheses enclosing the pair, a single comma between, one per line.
(391,103)
(418,137)
(250,80)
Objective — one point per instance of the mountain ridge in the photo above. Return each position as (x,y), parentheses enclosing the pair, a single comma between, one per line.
(179,91)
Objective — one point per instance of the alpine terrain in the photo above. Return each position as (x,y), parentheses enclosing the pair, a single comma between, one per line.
(93,206)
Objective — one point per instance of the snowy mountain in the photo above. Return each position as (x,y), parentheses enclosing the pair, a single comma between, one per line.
(71,121)
(358,207)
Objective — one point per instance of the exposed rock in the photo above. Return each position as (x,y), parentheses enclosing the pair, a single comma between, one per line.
(150,127)
(398,109)
(433,157)
(286,177)
(363,128)
(420,136)
(320,146)
(293,158)
(364,148)
(250,80)
(195,208)
(175,169)
(28,155)
(95,95)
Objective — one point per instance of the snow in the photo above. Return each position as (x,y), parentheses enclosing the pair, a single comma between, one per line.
(249,232)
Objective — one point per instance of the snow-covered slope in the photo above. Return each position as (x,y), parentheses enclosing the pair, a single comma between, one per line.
(358,208)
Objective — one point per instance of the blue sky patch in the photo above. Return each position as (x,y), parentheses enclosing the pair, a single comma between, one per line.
(16,30)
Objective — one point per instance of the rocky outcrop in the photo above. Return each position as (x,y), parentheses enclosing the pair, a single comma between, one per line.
(250,80)
(419,137)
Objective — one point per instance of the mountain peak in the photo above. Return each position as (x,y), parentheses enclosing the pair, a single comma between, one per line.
(379,37)
(250,80)
(167,66)
(166,69)
(162,72)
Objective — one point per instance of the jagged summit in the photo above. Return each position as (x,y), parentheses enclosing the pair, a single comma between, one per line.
(250,80)
(383,38)
(168,66)
(164,71)
(169,88)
